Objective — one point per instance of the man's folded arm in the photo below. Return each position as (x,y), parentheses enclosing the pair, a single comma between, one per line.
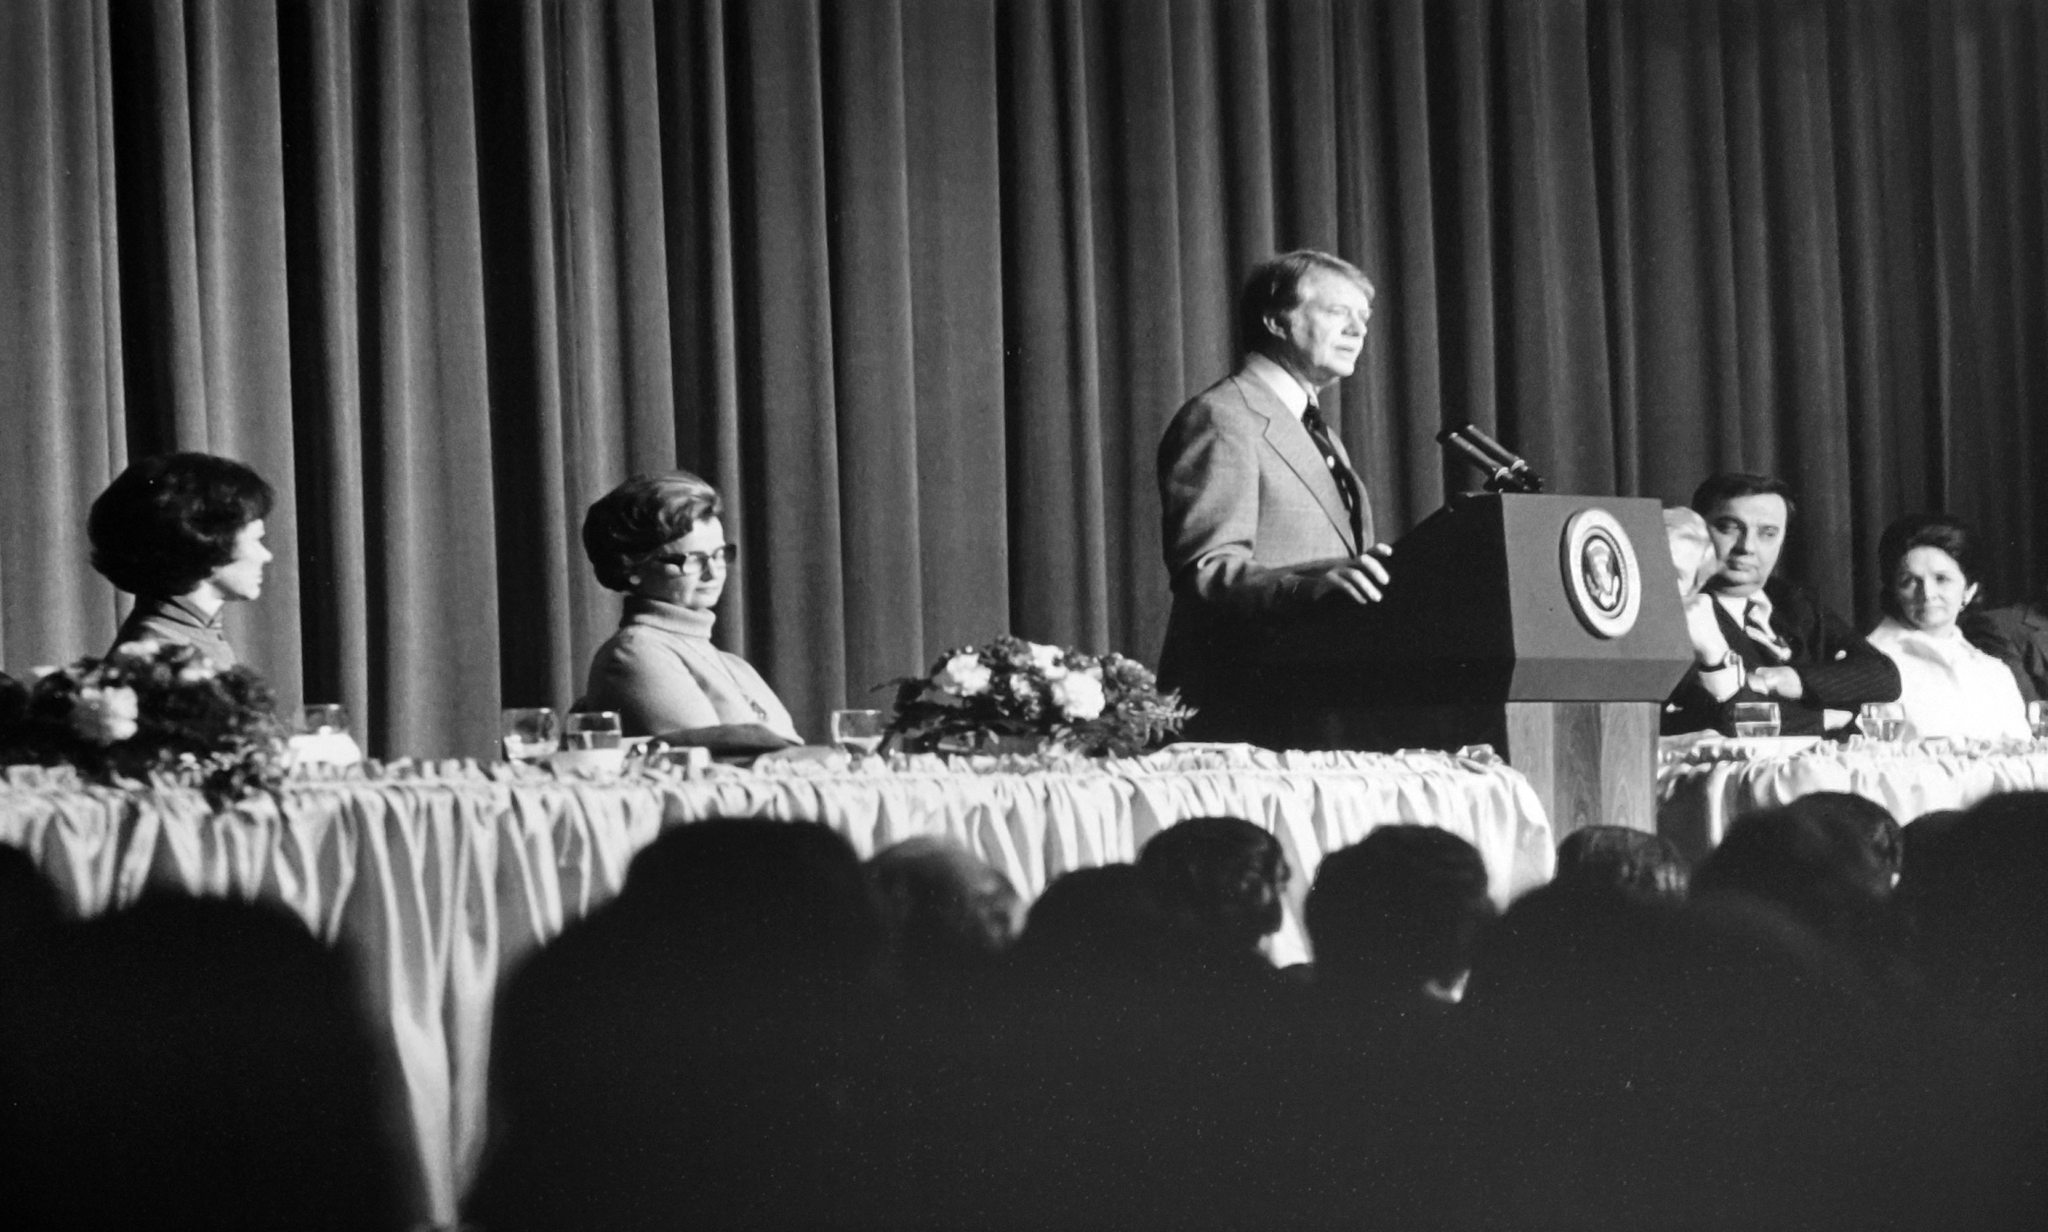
(1846,670)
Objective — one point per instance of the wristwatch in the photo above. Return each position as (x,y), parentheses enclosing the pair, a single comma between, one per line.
(1728,659)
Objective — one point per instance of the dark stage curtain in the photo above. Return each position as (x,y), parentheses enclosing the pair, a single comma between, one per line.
(918,283)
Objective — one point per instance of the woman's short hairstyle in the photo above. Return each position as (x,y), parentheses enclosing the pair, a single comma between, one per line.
(633,521)
(1274,286)
(1923,530)
(166,523)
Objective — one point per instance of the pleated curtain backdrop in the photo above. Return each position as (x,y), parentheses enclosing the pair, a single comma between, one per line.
(918,283)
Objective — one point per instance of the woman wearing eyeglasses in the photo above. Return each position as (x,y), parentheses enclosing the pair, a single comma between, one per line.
(658,539)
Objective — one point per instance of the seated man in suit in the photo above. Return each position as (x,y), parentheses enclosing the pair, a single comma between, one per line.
(2019,635)
(1783,646)
(1262,512)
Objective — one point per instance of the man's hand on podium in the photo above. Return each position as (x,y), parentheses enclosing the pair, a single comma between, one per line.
(1361,580)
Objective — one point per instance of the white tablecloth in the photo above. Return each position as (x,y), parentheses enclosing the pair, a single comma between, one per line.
(439,877)
(1704,787)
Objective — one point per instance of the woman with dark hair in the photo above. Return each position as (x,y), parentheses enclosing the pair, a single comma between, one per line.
(183,533)
(658,539)
(1949,687)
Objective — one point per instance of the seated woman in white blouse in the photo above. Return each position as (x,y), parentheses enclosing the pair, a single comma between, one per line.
(658,538)
(1951,687)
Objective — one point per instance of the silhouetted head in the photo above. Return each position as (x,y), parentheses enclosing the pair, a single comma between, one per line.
(1102,929)
(194,1063)
(1619,858)
(1398,911)
(1223,875)
(752,901)
(1817,864)
(1872,821)
(1974,886)
(947,913)
(28,902)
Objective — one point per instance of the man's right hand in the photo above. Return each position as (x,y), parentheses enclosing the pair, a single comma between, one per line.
(1361,581)
(1709,644)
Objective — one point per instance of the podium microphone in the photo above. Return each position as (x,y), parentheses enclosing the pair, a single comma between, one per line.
(1505,471)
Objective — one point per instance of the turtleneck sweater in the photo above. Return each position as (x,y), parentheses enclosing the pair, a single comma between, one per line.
(662,674)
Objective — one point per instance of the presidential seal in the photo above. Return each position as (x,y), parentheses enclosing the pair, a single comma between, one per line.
(1601,574)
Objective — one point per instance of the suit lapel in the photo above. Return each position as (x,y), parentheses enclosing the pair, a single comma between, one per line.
(1291,441)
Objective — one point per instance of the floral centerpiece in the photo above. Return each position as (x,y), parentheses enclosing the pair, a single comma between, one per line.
(974,696)
(152,710)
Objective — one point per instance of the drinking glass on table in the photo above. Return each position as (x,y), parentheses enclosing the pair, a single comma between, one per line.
(324,719)
(594,729)
(1752,719)
(2037,718)
(529,733)
(1882,720)
(858,732)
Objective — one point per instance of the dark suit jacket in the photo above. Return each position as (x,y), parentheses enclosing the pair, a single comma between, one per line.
(1838,669)
(1250,514)
(2018,635)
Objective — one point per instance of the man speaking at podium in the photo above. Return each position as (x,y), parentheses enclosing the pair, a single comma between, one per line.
(1263,515)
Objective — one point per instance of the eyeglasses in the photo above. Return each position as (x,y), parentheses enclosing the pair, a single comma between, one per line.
(697,562)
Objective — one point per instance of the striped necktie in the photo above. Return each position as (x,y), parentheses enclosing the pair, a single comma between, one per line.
(1756,621)
(1347,485)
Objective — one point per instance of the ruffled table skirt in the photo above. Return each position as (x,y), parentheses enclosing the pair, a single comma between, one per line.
(1702,787)
(439,877)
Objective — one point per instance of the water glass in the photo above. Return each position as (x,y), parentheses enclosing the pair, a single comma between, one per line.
(2037,718)
(1753,719)
(529,733)
(594,729)
(1882,720)
(324,719)
(858,732)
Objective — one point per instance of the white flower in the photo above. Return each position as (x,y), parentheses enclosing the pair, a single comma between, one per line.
(105,716)
(1047,660)
(1078,695)
(963,676)
(198,671)
(140,648)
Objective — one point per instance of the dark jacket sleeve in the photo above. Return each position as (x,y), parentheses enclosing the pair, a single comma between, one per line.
(2018,637)
(1838,668)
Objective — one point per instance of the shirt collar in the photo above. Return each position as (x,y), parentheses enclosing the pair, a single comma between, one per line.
(1292,394)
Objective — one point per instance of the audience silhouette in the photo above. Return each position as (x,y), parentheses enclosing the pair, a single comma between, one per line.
(761,1032)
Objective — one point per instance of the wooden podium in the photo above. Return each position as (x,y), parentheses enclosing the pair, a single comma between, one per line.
(1546,626)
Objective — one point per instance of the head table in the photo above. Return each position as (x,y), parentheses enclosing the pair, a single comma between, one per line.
(1704,785)
(438,877)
